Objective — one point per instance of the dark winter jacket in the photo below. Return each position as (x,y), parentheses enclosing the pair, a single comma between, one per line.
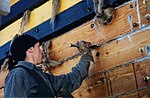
(24,81)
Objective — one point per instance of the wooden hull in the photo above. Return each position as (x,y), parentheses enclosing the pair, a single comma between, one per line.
(120,68)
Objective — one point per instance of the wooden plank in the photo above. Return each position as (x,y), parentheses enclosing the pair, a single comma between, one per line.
(97,91)
(115,53)
(143,11)
(123,80)
(120,51)
(142,69)
(90,88)
(12,2)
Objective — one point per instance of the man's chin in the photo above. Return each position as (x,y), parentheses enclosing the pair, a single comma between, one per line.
(40,63)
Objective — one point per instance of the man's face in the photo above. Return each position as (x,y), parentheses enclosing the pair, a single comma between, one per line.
(37,53)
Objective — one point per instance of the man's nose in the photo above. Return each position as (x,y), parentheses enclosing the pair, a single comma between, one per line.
(41,49)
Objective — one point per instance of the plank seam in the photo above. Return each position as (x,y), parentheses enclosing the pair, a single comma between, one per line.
(136,82)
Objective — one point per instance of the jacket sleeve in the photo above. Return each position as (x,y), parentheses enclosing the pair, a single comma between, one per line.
(71,81)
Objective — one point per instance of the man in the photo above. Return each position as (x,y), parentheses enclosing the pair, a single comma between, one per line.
(26,80)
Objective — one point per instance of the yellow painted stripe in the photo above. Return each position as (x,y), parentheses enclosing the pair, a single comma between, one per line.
(12,2)
(38,16)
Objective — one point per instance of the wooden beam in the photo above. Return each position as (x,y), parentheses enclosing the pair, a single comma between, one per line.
(12,2)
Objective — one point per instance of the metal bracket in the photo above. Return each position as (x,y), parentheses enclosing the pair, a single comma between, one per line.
(145,49)
(148,8)
(146,78)
(147,16)
(144,1)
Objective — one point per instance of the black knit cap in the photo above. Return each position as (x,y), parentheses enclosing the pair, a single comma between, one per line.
(20,45)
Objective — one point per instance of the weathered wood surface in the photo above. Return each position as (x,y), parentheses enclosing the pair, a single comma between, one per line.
(122,80)
(142,69)
(143,11)
(112,54)
(117,51)
(119,26)
(90,88)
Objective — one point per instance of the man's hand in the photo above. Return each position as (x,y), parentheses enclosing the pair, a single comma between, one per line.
(83,47)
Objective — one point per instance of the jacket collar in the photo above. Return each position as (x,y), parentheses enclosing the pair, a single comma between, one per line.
(27,64)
